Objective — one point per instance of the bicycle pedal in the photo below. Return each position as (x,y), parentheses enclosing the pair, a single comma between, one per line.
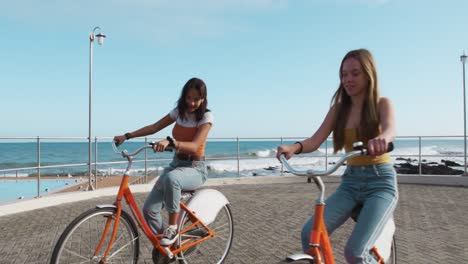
(159,258)
(168,252)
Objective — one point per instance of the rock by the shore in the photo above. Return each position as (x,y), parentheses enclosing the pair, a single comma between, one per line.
(411,166)
(440,169)
(406,159)
(451,163)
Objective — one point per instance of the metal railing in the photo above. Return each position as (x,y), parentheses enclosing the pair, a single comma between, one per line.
(237,140)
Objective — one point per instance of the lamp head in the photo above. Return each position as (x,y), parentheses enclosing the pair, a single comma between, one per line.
(100,38)
(463,58)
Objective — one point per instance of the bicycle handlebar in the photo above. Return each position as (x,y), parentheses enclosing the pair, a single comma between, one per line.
(130,156)
(358,151)
(127,155)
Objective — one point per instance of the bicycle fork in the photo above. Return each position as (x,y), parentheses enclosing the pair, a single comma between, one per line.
(319,240)
(104,234)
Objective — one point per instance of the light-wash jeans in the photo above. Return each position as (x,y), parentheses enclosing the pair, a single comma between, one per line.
(180,175)
(375,188)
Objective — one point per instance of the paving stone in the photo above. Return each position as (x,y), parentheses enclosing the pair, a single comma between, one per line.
(431,225)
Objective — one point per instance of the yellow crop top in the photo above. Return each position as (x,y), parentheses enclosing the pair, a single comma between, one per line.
(350,138)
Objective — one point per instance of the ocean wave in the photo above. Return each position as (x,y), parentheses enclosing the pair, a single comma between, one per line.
(263,164)
(133,172)
(254,156)
(263,153)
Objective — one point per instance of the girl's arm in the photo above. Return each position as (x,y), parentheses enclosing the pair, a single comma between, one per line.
(147,130)
(153,128)
(313,143)
(378,145)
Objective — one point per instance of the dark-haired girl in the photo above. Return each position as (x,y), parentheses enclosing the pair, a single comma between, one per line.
(187,171)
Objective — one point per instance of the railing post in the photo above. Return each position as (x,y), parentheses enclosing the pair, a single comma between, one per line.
(420,161)
(326,154)
(38,167)
(95,162)
(238,158)
(282,166)
(146,161)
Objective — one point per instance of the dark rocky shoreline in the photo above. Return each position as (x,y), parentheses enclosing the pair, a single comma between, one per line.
(427,168)
(411,167)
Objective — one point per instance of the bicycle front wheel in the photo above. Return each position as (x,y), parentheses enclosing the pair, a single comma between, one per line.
(79,241)
(212,250)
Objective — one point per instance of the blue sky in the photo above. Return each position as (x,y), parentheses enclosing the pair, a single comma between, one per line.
(271,67)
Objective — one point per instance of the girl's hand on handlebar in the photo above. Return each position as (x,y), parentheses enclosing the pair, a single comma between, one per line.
(287,150)
(119,140)
(161,145)
(377,146)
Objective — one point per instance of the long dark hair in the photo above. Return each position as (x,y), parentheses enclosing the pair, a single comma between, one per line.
(369,124)
(200,86)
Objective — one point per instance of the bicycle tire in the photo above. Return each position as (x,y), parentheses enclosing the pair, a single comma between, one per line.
(393,255)
(82,235)
(296,262)
(212,250)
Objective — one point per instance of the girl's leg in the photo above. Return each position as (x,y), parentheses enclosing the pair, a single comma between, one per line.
(378,208)
(153,206)
(155,202)
(181,178)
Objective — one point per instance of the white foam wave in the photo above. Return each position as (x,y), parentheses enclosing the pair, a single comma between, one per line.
(329,151)
(14,175)
(412,151)
(317,163)
(263,153)
(133,172)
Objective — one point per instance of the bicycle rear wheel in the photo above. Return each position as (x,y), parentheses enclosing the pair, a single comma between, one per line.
(212,250)
(80,239)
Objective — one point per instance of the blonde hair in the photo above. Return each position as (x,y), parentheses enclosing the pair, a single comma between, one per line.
(369,124)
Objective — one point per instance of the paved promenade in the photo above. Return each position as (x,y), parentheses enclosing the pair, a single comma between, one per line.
(432,223)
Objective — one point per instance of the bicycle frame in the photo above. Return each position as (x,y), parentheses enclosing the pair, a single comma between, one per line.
(125,193)
(320,250)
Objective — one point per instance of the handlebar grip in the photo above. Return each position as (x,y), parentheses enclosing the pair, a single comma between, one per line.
(390,147)
(168,148)
(358,145)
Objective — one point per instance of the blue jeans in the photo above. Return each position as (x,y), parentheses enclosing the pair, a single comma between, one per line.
(375,188)
(180,175)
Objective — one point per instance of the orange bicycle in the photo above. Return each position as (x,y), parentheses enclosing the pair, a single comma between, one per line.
(320,250)
(109,234)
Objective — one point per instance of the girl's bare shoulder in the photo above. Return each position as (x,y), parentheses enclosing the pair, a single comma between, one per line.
(384,101)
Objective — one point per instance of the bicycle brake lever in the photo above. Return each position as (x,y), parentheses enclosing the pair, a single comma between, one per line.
(390,147)
(168,148)
(114,146)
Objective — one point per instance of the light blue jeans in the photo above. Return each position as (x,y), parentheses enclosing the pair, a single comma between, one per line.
(375,188)
(180,175)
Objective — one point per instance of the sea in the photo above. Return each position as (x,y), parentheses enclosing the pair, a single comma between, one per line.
(225,158)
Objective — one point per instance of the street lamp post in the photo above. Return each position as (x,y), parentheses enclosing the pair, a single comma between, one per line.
(463,60)
(100,38)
